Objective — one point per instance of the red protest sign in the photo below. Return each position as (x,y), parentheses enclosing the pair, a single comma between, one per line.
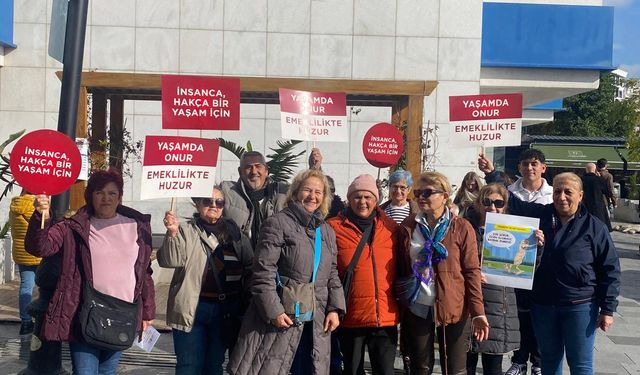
(313,116)
(45,162)
(382,145)
(197,102)
(178,167)
(487,120)
(485,107)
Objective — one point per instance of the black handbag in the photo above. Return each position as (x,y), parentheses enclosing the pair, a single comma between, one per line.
(107,322)
(347,279)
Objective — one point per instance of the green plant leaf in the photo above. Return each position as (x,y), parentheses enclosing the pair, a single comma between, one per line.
(232,147)
(11,138)
(283,161)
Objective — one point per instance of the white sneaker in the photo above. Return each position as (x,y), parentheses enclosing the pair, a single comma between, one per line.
(517,369)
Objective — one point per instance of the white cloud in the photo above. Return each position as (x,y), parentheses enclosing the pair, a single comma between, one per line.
(633,69)
(618,3)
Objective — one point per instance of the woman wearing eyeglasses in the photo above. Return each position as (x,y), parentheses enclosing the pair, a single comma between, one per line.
(441,252)
(499,302)
(212,261)
(399,206)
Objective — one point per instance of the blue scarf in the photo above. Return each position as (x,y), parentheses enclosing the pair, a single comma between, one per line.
(433,251)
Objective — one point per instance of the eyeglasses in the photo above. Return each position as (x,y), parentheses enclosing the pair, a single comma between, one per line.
(426,193)
(208,202)
(499,203)
(399,187)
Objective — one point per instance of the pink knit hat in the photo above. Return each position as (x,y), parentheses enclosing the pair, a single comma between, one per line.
(364,182)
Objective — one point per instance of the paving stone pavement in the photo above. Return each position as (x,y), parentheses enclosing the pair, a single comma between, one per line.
(616,352)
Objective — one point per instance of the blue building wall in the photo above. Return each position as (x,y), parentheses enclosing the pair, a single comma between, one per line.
(547,36)
(6,23)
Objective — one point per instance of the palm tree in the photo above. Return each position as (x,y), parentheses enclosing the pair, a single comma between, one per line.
(5,171)
(281,162)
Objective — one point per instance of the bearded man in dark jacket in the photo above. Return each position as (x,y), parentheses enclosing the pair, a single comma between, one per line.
(254,197)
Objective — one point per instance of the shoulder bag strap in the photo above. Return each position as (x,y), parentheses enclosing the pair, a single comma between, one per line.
(356,255)
(316,254)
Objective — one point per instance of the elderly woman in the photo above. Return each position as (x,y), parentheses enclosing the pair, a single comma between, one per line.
(106,248)
(372,310)
(212,261)
(399,206)
(440,257)
(296,250)
(499,302)
(467,193)
(577,282)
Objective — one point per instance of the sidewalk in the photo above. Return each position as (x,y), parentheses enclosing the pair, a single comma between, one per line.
(616,352)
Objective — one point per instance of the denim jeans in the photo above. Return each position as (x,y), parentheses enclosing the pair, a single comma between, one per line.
(89,360)
(201,351)
(27,282)
(570,329)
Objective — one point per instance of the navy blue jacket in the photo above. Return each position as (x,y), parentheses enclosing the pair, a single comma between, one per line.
(579,261)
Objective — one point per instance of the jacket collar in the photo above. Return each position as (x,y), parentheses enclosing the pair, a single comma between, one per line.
(303,217)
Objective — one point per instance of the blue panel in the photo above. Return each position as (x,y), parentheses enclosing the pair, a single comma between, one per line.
(547,36)
(555,105)
(6,23)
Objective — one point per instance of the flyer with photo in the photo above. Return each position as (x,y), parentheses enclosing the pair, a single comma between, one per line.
(509,250)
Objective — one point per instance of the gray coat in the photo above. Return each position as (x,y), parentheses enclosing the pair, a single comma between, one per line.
(237,203)
(286,246)
(187,253)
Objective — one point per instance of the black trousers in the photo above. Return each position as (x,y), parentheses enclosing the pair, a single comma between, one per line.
(528,344)
(419,336)
(491,363)
(381,342)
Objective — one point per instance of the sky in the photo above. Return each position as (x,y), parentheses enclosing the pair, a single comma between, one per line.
(626,35)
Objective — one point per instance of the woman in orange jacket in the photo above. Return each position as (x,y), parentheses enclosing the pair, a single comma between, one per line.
(372,311)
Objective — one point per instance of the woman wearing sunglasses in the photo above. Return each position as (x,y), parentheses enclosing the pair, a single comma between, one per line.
(441,252)
(212,261)
(499,302)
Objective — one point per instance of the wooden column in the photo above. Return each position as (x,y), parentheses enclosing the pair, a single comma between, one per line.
(76,198)
(411,113)
(116,126)
(97,149)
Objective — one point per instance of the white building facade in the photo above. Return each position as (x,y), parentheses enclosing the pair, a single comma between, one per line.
(436,40)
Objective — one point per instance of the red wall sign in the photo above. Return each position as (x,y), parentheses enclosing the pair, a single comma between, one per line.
(197,102)
(45,162)
(382,145)
(485,107)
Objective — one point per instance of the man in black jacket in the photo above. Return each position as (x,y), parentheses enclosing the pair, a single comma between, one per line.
(596,193)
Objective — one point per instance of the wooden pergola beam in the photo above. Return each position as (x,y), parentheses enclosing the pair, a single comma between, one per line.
(140,81)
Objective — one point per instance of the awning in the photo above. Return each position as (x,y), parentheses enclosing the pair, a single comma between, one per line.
(576,156)
(631,165)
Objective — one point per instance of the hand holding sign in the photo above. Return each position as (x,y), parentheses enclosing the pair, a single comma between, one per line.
(42,205)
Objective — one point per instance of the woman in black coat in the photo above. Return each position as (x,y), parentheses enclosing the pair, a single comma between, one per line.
(499,302)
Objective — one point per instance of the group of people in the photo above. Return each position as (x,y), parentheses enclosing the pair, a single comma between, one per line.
(290,279)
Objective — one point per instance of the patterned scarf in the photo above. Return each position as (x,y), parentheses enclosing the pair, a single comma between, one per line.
(433,251)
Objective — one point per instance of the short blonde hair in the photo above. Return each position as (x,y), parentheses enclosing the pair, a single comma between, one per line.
(568,176)
(292,194)
(436,179)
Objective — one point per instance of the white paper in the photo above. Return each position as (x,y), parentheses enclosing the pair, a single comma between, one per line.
(509,250)
(149,338)
(83,147)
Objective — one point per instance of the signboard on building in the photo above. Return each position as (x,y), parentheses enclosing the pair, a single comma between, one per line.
(485,120)
(45,162)
(178,167)
(382,145)
(197,102)
(314,116)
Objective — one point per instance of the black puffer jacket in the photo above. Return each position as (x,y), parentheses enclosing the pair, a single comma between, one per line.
(499,306)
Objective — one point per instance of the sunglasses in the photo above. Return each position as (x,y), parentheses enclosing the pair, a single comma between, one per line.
(426,193)
(208,202)
(499,203)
